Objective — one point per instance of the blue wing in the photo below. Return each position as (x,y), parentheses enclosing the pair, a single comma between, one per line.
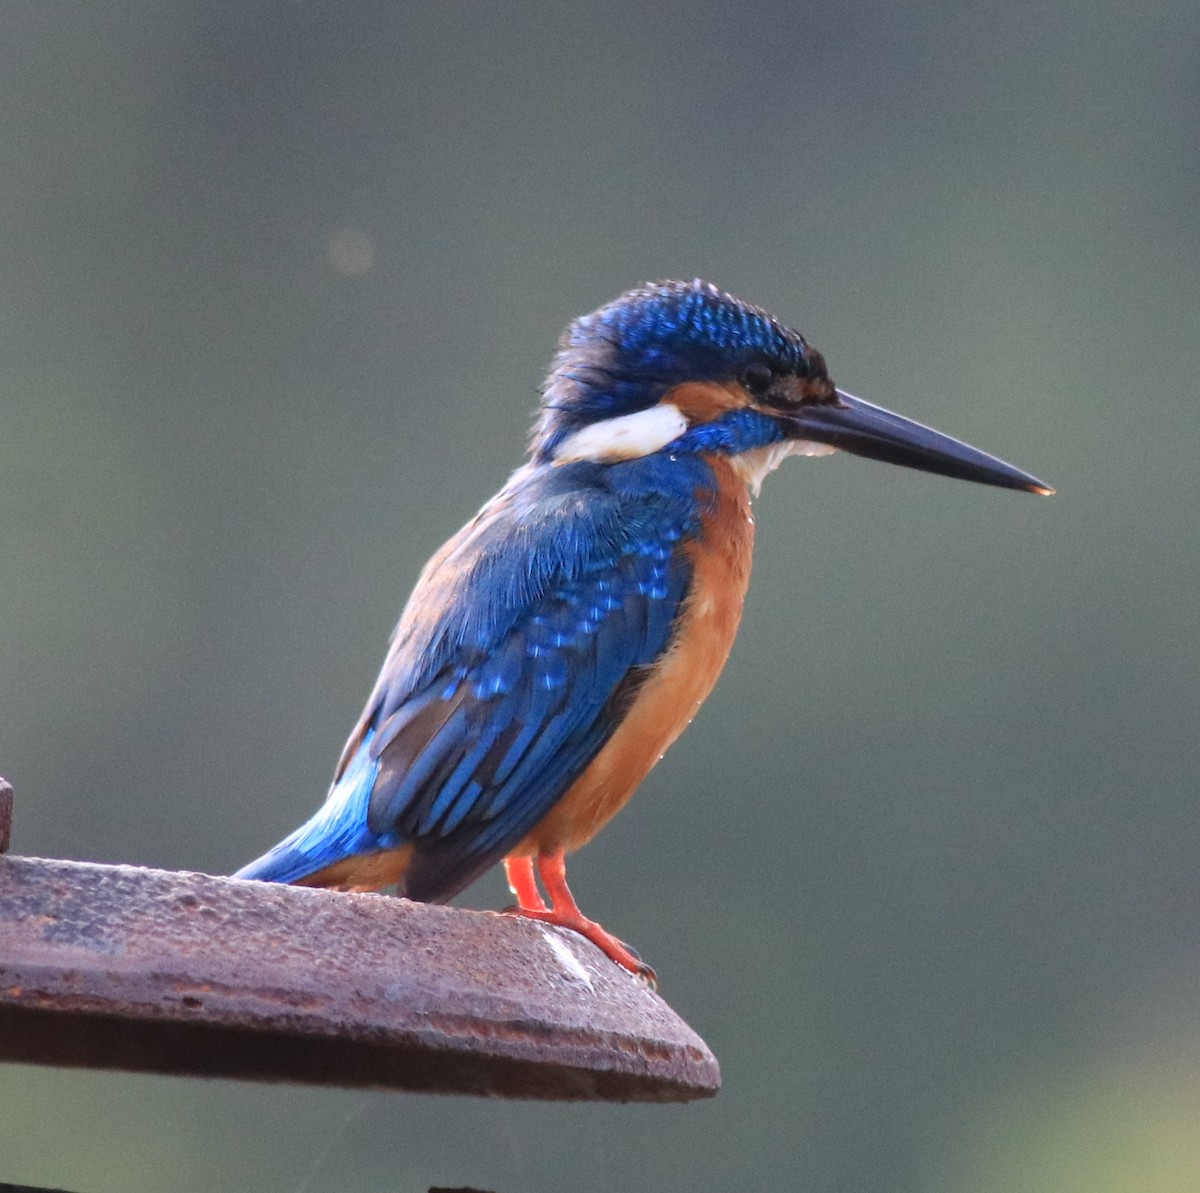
(526,638)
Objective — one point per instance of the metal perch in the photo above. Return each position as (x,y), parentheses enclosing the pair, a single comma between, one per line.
(170,972)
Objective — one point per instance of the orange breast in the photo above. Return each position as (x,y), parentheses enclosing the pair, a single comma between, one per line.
(671,696)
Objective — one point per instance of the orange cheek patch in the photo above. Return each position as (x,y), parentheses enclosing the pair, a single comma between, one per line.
(702,401)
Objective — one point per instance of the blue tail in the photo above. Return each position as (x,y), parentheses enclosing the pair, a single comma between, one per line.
(338,829)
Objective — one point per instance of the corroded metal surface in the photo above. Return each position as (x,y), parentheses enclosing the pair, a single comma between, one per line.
(6,807)
(163,971)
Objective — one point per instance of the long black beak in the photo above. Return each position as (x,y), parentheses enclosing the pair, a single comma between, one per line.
(865,430)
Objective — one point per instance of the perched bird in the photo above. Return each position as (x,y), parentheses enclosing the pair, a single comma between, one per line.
(563,639)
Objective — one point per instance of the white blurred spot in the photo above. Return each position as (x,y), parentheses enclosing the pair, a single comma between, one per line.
(352,251)
(563,952)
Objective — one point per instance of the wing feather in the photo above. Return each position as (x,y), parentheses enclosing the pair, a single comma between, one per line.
(531,687)
(525,640)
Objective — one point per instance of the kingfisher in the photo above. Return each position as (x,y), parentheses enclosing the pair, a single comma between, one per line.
(557,645)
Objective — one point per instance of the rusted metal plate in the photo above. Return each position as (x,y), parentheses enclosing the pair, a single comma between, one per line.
(172,972)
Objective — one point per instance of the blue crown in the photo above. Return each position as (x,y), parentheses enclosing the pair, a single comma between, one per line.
(622,357)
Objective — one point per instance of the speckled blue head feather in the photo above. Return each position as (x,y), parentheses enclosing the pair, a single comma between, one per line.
(624,356)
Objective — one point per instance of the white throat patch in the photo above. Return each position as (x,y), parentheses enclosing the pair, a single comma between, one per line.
(753,466)
(625,438)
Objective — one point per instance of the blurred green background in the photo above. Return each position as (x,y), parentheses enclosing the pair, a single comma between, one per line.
(278,284)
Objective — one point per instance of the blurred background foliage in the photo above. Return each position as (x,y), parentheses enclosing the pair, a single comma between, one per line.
(278,285)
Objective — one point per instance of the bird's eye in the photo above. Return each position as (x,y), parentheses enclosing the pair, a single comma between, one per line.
(757,378)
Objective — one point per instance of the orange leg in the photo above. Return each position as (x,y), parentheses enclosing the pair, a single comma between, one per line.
(563,910)
(519,872)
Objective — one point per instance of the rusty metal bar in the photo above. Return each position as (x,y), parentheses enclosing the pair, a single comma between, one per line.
(6,807)
(172,972)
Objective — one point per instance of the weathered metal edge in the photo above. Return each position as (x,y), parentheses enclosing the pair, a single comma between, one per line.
(175,972)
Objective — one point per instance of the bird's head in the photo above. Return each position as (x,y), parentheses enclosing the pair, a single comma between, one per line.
(685,367)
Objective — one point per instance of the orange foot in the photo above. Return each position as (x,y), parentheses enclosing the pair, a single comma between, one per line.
(564,911)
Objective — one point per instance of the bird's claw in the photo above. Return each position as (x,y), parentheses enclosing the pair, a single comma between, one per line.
(612,947)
